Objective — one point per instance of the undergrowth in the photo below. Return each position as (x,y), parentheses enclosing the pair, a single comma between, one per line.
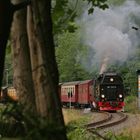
(131,104)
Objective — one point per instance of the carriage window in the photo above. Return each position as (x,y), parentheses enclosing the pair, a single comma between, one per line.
(73,90)
(70,94)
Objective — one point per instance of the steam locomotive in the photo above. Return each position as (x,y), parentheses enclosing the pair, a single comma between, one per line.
(104,93)
(109,92)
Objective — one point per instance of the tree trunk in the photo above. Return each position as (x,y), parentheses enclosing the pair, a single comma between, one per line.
(6,15)
(44,67)
(21,60)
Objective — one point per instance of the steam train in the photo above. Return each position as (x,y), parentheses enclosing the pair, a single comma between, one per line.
(104,93)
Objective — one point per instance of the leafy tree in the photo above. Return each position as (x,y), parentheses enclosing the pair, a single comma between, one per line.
(64,12)
(43,62)
(67,53)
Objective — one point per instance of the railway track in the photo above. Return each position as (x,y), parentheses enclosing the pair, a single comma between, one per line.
(107,117)
(110,120)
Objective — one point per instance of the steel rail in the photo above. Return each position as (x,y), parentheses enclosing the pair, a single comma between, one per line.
(106,119)
(99,125)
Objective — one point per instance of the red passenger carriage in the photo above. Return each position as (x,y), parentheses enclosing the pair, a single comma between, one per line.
(69,93)
(104,93)
(85,93)
(77,94)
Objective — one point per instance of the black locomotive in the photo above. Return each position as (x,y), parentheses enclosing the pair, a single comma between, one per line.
(109,92)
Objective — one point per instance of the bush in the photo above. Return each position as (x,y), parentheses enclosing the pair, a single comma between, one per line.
(131,104)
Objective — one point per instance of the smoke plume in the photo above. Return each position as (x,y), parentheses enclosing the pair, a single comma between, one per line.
(110,35)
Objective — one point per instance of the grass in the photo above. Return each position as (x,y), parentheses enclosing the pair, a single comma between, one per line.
(77,118)
(131,105)
(132,108)
(71,115)
(131,133)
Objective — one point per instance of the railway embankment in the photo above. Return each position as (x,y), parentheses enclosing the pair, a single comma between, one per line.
(128,126)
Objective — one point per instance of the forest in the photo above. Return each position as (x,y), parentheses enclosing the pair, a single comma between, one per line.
(61,41)
(76,58)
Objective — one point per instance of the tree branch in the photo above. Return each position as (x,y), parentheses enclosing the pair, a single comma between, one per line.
(21,5)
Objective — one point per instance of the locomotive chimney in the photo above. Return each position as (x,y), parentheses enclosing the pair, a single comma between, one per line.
(138,73)
(104,65)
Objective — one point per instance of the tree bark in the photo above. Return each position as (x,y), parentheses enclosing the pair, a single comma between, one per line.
(6,14)
(22,77)
(44,67)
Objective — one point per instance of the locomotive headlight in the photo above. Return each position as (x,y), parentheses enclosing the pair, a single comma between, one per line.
(103,96)
(111,79)
(120,95)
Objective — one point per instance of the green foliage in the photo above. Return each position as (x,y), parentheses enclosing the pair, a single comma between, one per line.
(131,104)
(130,78)
(16,122)
(77,132)
(8,71)
(111,136)
(63,13)
(130,99)
(123,137)
(80,134)
(67,52)
(96,3)
(138,1)
(116,2)
(10,124)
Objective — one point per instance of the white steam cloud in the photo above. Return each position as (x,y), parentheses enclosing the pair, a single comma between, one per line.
(109,33)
